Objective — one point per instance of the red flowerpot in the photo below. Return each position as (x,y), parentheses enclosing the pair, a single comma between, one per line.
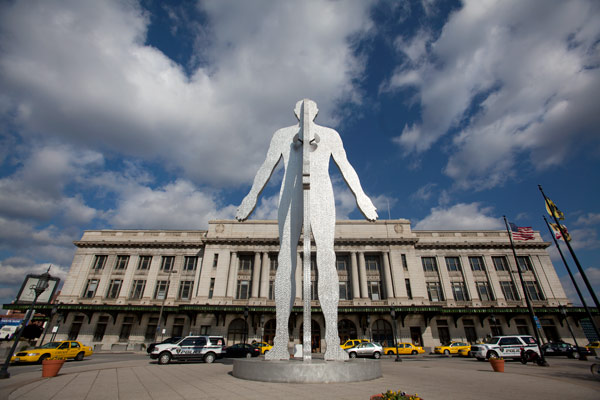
(50,368)
(497,365)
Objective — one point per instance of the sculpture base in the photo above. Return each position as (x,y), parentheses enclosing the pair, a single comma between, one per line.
(314,371)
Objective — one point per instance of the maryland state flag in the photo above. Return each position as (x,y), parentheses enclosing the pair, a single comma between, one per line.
(553,210)
(557,233)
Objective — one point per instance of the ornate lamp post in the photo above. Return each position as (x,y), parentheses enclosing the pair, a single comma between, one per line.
(41,286)
(394,330)
(563,311)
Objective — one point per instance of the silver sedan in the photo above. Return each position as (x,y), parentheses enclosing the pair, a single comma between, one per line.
(365,350)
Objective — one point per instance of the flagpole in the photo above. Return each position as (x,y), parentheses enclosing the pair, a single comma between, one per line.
(572,278)
(563,233)
(529,306)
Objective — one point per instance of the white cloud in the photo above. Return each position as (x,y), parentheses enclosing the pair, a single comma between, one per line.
(593,275)
(460,217)
(424,193)
(588,219)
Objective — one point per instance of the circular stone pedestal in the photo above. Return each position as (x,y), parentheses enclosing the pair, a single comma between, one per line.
(313,371)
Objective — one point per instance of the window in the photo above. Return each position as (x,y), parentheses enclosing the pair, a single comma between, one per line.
(122,262)
(144,262)
(372,263)
(434,291)
(75,328)
(534,291)
(100,328)
(271,290)
(500,263)
(215,261)
(509,290)
(524,263)
(126,329)
(342,263)
(211,289)
(151,328)
(245,263)
(161,290)
(459,291)
(374,290)
(99,262)
(137,290)
(114,288)
(90,288)
(313,264)
(344,294)
(243,289)
(178,324)
(314,292)
(190,263)
(408,290)
(453,263)
(274,263)
(404,263)
(167,263)
(484,291)
(185,290)
(470,332)
(429,264)
(476,263)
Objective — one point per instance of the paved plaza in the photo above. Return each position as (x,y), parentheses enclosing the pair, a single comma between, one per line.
(432,377)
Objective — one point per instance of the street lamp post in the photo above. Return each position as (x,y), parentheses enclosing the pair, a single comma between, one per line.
(162,306)
(563,311)
(394,331)
(42,285)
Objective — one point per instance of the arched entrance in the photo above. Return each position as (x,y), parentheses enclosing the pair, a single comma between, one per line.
(237,332)
(346,330)
(382,333)
(315,336)
(269,331)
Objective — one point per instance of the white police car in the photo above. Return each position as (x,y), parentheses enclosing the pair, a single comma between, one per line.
(504,346)
(190,348)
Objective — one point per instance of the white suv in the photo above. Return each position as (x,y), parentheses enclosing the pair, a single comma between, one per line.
(190,348)
(504,346)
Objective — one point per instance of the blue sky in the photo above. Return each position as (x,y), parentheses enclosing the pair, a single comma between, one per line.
(135,115)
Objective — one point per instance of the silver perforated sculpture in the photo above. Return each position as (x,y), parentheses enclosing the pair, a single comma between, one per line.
(306,200)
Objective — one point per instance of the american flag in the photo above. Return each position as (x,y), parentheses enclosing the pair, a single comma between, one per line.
(521,232)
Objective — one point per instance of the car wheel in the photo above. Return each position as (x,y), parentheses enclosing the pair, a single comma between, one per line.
(390,353)
(447,352)
(79,356)
(414,352)
(248,355)
(164,358)
(492,354)
(575,355)
(43,357)
(353,355)
(266,351)
(210,357)
(376,355)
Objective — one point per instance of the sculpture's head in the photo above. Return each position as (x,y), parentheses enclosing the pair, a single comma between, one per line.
(312,108)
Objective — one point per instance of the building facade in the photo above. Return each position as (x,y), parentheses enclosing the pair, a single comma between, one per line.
(424,287)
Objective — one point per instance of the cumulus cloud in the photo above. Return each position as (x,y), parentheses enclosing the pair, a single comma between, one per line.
(520,78)
(460,217)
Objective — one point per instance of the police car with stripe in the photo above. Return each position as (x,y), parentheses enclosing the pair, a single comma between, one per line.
(190,348)
(504,346)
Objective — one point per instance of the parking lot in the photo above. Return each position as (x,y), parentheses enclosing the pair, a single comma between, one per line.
(432,377)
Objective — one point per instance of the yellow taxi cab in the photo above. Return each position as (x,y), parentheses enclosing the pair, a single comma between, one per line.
(263,346)
(352,342)
(404,348)
(594,347)
(64,350)
(452,348)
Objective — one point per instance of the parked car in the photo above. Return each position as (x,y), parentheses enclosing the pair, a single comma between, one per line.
(353,342)
(452,348)
(263,346)
(504,346)
(564,349)
(65,349)
(190,348)
(173,339)
(365,349)
(404,348)
(594,347)
(242,350)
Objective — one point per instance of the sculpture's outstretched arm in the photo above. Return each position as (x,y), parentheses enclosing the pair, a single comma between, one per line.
(260,180)
(365,205)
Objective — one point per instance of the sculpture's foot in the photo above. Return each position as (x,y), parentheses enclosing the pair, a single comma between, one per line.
(336,353)
(278,352)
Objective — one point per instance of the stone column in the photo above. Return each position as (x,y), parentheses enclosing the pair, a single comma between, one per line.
(364,292)
(264,276)
(469,278)
(355,282)
(256,275)
(387,275)
(233,267)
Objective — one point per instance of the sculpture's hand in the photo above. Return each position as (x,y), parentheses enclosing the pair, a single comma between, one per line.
(245,209)
(367,208)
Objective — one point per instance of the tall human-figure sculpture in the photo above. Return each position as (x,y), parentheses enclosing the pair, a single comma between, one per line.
(306,198)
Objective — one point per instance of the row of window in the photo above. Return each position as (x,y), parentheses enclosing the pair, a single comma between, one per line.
(167,262)
(476,263)
(459,292)
(137,289)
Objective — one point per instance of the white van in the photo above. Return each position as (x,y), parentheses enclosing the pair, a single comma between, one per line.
(7,331)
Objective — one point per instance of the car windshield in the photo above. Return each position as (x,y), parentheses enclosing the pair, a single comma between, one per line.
(50,345)
(492,340)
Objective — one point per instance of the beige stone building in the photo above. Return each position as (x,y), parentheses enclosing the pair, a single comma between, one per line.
(441,286)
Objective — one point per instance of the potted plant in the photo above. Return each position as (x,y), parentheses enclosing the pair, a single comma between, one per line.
(51,366)
(399,395)
(497,363)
